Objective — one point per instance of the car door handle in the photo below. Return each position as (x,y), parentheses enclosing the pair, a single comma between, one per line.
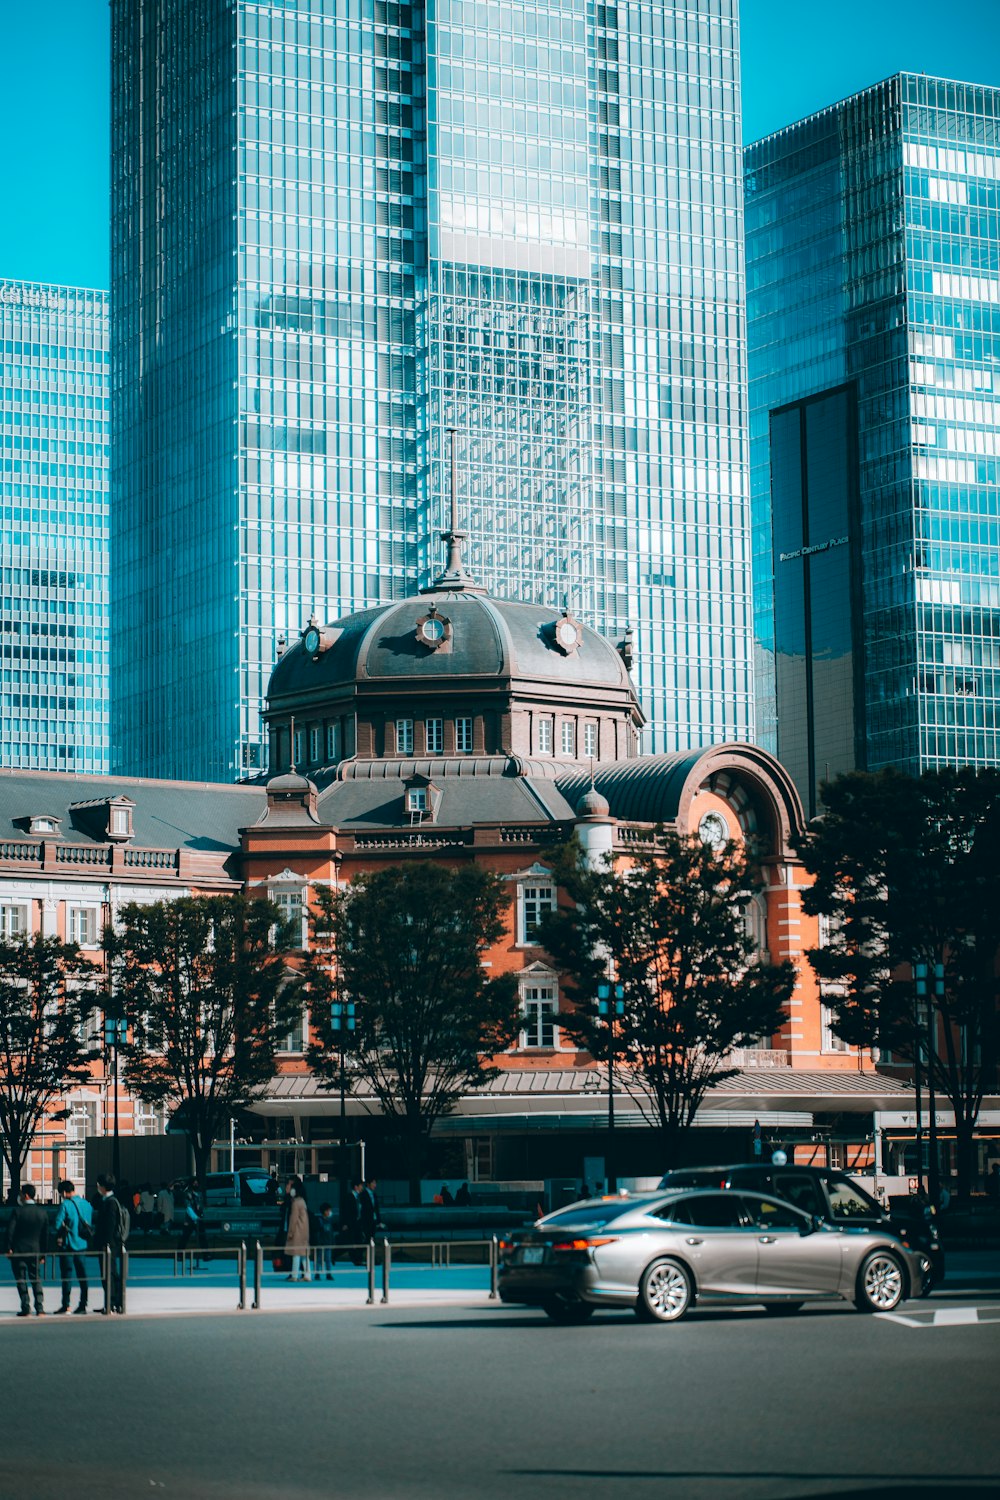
(768,1239)
(693,1240)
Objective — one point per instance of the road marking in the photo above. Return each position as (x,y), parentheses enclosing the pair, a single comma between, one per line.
(944,1317)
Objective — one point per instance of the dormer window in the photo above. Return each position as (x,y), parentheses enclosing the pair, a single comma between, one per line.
(120,820)
(416,801)
(420,799)
(43,824)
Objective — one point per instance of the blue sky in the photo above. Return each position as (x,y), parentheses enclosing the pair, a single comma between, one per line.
(798,55)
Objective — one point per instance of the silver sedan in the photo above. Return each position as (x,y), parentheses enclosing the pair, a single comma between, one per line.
(661,1253)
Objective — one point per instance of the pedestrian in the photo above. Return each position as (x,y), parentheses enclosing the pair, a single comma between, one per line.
(297,1235)
(147,1208)
(758,1141)
(993,1183)
(110,1233)
(350,1229)
(194,1223)
(165,1207)
(463,1198)
(74,1228)
(371,1213)
(27,1241)
(447,1201)
(326,1234)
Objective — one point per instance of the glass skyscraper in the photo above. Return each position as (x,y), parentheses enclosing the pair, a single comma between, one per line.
(344,227)
(54,420)
(873,297)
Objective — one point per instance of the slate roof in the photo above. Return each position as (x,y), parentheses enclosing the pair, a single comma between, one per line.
(200,816)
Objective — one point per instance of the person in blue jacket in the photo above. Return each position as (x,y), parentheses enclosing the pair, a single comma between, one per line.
(74,1230)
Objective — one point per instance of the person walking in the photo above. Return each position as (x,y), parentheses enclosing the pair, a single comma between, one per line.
(350,1229)
(326,1235)
(370,1210)
(110,1233)
(297,1235)
(194,1223)
(27,1240)
(165,1207)
(74,1228)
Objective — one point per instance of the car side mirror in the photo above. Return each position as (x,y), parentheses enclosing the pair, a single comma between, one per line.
(812,1224)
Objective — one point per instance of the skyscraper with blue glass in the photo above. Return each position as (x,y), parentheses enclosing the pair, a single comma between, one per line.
(344,227)
(873,297)
(54,420)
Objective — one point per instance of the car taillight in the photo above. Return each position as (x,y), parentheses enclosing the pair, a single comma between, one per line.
(589,1244)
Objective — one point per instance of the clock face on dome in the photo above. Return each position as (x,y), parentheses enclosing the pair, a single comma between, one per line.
(713,830)
(311,640)
(567,634)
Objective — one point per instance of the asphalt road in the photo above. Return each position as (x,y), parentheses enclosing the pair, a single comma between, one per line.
(384,1404)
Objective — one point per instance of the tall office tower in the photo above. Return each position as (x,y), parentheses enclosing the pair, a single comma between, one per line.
(54,419)
(343,228)
(873,298)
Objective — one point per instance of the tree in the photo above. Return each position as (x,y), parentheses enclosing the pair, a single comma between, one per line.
(406,944)
(47,990)
(671,931)
(906,876)
(208,995)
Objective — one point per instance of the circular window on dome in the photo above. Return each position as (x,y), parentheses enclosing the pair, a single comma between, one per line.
(568,634)
(433,631)
(713,830)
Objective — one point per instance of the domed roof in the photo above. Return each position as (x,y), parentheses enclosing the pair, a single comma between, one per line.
(486,638)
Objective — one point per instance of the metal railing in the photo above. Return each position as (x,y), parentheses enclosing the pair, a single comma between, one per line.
(377,1264)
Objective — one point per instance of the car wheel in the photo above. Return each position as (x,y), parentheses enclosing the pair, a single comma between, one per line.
(568,1310)
(666,1292)
(782,1309)
(880,1283)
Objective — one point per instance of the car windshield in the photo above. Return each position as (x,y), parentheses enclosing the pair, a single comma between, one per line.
(848,1201)
(589,1215)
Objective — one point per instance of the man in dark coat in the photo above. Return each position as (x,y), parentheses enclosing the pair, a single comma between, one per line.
(371,1215)
(27,1239)
(110,1233)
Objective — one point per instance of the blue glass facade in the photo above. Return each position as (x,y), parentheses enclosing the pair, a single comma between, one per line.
(54,422)
(344,228)
(873,273)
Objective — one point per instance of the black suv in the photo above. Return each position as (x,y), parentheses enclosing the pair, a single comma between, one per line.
(830,1194)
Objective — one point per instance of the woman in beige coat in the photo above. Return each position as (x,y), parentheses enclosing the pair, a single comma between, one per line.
(297,1236)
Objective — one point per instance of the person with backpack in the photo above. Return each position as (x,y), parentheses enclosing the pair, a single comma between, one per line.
(110,1233)
(27,1237)
(194,1222)
(74,1231)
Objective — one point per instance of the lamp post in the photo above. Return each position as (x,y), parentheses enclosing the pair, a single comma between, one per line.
(610,1006)
(115,1036)
(343,1022)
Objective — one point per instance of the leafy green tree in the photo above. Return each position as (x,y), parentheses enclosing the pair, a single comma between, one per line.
(672,931)
(906,874)
(47,991)
(206,988)
(406,944)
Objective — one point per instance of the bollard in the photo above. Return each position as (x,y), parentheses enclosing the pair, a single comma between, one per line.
(494,1269)
(242,1263)
(124,1277)
(370,1262)
(386,1268)
(258,1274)
(107,1280)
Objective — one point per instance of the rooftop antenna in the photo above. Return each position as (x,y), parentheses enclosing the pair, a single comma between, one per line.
(454,576)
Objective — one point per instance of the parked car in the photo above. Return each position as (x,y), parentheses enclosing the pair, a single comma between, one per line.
(662,1253)
(246,1187)
(825,1191)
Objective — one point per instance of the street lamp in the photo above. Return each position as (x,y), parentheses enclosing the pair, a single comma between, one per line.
(343,1022)
(610,1006)
(115,1036)
(923,973)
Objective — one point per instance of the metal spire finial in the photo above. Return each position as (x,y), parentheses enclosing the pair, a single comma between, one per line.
(454,578)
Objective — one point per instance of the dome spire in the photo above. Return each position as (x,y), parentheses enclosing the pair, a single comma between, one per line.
(454,579)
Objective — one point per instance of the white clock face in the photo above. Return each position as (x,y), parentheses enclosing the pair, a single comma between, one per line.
(566,633)
(311,640)
(432,629)
(713,830)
